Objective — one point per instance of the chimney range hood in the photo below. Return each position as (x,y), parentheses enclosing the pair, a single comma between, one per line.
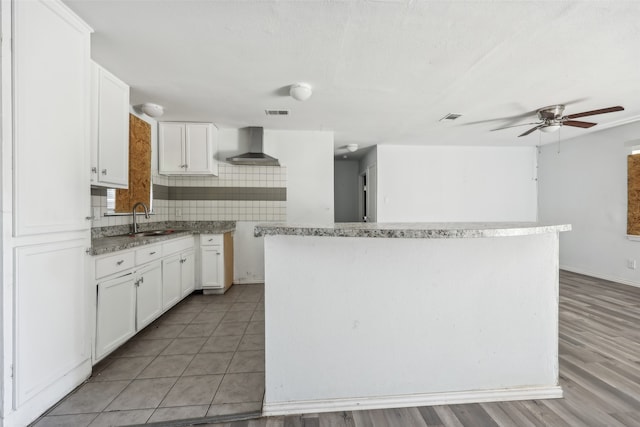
(255,156)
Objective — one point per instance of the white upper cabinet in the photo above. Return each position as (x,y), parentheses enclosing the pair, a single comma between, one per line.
(51,120)
(187,148)
(109,129)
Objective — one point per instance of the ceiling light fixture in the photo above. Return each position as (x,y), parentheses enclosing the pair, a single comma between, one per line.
(550,128)
(152,110)
(300,91)
(352,147)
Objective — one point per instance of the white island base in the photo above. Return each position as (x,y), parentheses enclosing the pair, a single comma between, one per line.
(366,322)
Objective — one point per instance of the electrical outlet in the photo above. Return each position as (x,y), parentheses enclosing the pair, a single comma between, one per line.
(631,264)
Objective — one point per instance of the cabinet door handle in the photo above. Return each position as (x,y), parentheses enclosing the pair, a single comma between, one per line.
(94,170)
(152,253)
(88,218)
(104,171)
(211,240)
(142,280)
(120,262)
(217,253)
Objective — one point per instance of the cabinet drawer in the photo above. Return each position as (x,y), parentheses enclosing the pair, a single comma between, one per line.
(211,239)
(178,245)
(148,253)
(114,263)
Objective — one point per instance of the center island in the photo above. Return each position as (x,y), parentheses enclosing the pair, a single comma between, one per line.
(380,315)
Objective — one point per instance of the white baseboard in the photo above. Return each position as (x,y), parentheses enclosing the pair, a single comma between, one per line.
(410,400)
(600,276)
(248,281)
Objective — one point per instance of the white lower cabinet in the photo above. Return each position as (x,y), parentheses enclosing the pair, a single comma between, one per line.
(212,267)
(116,313)
(171,289)
(188,273)
(148,294)
(216,261)
(134,287)
(178,278)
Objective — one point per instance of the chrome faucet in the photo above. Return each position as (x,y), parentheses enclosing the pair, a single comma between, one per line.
(146,215)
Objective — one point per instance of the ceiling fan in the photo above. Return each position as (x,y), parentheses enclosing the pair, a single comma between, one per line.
(551,119)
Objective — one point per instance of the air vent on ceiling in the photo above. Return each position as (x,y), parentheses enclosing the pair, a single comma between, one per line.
(450,116)
(276,112)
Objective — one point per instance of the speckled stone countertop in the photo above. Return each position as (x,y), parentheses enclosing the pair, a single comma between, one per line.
(414,230)
(111,239)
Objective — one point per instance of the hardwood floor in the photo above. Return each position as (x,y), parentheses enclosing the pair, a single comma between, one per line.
(599,373)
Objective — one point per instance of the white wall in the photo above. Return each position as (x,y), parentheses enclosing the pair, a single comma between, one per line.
(583,181)
(345,188)
(456,183)
(308,156)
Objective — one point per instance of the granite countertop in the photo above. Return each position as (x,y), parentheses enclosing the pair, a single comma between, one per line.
(413,230)
(111,239)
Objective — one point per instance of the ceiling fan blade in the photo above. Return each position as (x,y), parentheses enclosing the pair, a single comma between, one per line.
(530,130)
(514,126)
(594,112)
(578,124)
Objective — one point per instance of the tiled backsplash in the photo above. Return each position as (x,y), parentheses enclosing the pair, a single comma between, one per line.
(240,193)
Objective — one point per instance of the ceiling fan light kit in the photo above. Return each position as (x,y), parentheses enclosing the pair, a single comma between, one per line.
(551,119)
(550,128)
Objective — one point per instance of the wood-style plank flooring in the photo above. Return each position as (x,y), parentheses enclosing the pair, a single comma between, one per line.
(599,373)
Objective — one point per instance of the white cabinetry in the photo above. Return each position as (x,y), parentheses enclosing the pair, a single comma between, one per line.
(188,273)
(126,304)
(136,286)
(109,129)
(116,313)
(148,294)
(171,291)
(46,337)
(216,261)
(187,148)
(178,271)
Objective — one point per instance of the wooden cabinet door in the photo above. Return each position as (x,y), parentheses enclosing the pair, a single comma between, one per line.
(149,294)
(116,313)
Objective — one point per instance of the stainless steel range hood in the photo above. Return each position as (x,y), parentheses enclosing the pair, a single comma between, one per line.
(255,156)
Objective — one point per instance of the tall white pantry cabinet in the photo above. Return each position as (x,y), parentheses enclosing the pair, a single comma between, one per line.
(45,90)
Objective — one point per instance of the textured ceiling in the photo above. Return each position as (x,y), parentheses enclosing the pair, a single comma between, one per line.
(382,71)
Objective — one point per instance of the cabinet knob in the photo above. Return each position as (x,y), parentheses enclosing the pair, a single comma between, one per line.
(104,171)
(120,262)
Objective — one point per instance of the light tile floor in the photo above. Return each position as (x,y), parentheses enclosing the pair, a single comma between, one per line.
(204,357)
